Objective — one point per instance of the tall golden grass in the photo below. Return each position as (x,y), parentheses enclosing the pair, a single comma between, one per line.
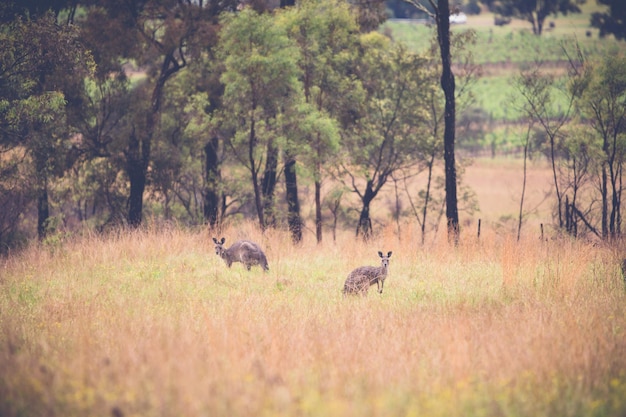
(152,323)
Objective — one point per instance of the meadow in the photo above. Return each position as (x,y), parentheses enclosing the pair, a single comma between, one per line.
(152,323)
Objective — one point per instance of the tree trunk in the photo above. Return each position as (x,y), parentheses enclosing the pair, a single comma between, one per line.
(269,184)
(139,149)
(618,202)
(429,183)
(605,203)
(293,203)
(448,86)
(614,193)
(137,179)
(258,200)
(365,222)
(43,209)
(318,211)
(318,196)
(212,183)
(520,217)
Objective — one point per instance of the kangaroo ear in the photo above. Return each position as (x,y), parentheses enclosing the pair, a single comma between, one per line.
(389,254)
(380,254)
(215,240)
(223,240)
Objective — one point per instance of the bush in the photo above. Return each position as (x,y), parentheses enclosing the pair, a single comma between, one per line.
(501,21)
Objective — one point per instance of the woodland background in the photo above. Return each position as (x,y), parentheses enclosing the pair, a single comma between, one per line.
(310,118)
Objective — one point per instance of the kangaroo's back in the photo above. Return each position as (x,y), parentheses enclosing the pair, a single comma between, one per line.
(247,252)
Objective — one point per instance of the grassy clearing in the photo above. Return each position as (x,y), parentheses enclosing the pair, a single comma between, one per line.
(151,323)
(513,43)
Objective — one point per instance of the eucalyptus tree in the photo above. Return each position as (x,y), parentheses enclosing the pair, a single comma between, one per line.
(601,91)
(177,176)
(540,92)
(98,192)
(388,135)
(441,14)
(326,35)
(198,106)
(43,63)
(161,37)
(435,123)
(370,13)
(260,80)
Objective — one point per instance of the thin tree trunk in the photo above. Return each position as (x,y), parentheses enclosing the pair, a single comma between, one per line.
(364,227)
(255,175)
(521,202)
(140,149)
(318,211)
(605,203)
(427,196)
(318,192)
(293,203)
(213,179)
(614,199)
(398,208)
(269,184)
(618,201)
(43,209)
(559,198)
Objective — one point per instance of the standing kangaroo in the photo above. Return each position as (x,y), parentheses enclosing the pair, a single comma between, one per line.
(360,279)
(244,251)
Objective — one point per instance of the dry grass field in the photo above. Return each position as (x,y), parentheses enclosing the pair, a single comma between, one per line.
(152,323)
(498,186)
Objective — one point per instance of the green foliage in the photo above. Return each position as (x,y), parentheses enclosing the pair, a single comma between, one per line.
(324,33)
(312,88)
(389,133)
(261,84)
(37,92)
(260,74)
(602,106)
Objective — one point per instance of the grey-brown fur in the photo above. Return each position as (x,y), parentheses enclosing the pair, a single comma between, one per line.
(360,279)
(244,251)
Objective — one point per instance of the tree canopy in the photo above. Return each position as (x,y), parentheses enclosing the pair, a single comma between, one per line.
(611,22)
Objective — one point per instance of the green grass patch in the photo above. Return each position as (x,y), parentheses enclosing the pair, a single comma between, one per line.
(503,51)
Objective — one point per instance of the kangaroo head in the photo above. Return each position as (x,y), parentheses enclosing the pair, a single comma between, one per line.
(219,246)
(384,260)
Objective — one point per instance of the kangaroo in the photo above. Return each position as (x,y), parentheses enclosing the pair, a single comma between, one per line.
(244,251)
(360,279)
